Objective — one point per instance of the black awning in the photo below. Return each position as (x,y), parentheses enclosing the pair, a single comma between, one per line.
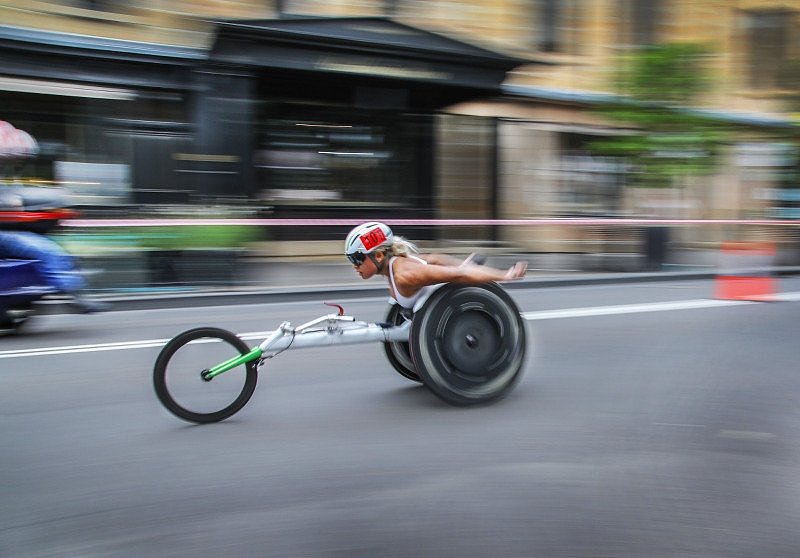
(375,49)
(97,61)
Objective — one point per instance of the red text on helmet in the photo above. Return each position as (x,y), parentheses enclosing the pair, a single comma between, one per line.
(372,238)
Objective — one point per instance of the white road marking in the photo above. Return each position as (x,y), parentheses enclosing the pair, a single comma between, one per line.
(630,309)
(117,346)
(679,425)
(533,316)
(746,435)
(651,307)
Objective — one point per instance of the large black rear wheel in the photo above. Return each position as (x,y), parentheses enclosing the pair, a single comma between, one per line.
(468,343)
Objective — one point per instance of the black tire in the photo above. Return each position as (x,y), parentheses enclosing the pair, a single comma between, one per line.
(6,324)
(13,319)
(397,352)
(180,387)
(468,343)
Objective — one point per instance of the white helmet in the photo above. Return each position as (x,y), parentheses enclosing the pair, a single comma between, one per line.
(365,239)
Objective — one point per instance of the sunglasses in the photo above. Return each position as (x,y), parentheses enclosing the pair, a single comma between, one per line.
(356,258)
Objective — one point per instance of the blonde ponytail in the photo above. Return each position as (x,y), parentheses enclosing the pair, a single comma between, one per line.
(402,247)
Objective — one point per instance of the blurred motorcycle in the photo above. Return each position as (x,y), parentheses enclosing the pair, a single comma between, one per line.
(21,287)
(31,265)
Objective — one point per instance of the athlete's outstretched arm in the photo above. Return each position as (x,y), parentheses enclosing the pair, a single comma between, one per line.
(414,275)
(444,259)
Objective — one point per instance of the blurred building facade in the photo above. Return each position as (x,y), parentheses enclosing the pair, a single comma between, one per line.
(388,108)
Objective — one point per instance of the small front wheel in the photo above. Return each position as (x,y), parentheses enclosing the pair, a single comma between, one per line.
(180,383)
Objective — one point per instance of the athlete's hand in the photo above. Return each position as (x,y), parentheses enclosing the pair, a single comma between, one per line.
(474,259)
(517,271)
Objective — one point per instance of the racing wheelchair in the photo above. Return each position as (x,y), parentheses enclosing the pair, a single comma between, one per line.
(466,343)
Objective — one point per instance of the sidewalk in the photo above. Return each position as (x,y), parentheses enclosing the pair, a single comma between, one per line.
(279,279)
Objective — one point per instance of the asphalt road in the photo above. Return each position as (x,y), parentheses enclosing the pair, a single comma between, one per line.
(651,422)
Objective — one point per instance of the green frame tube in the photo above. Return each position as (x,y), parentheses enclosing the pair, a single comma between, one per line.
(232,363)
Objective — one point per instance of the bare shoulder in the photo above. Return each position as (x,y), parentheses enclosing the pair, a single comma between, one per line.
(411,275)
(403,268)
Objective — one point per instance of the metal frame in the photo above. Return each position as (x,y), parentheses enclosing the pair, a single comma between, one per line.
(331,329)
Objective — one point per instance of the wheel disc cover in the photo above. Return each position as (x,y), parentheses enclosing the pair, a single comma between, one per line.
(468,343)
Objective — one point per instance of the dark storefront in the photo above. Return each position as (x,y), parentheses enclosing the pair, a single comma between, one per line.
(107,114)
(310,117)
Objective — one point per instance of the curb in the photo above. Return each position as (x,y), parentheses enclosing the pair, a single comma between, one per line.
(345,291)
(350,291)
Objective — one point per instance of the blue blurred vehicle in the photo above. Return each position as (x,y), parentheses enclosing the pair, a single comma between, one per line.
(21,286)
(31,265)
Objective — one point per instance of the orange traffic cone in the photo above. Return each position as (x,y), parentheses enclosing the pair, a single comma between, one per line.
(744,272)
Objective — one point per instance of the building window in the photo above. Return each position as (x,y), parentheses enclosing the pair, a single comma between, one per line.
(101,151)
(772,172)
(768,36)
(339,158)
(390,7)
(589,185)
(113,6)
(558,22)
(640,20)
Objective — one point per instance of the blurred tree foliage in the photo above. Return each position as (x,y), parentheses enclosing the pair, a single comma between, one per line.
(667,140)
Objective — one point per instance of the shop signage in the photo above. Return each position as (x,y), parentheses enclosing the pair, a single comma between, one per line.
(378,67)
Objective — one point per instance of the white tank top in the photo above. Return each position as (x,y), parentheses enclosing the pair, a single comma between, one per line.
(407,301)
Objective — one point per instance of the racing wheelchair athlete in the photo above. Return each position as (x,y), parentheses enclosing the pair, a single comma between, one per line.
(449,327)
